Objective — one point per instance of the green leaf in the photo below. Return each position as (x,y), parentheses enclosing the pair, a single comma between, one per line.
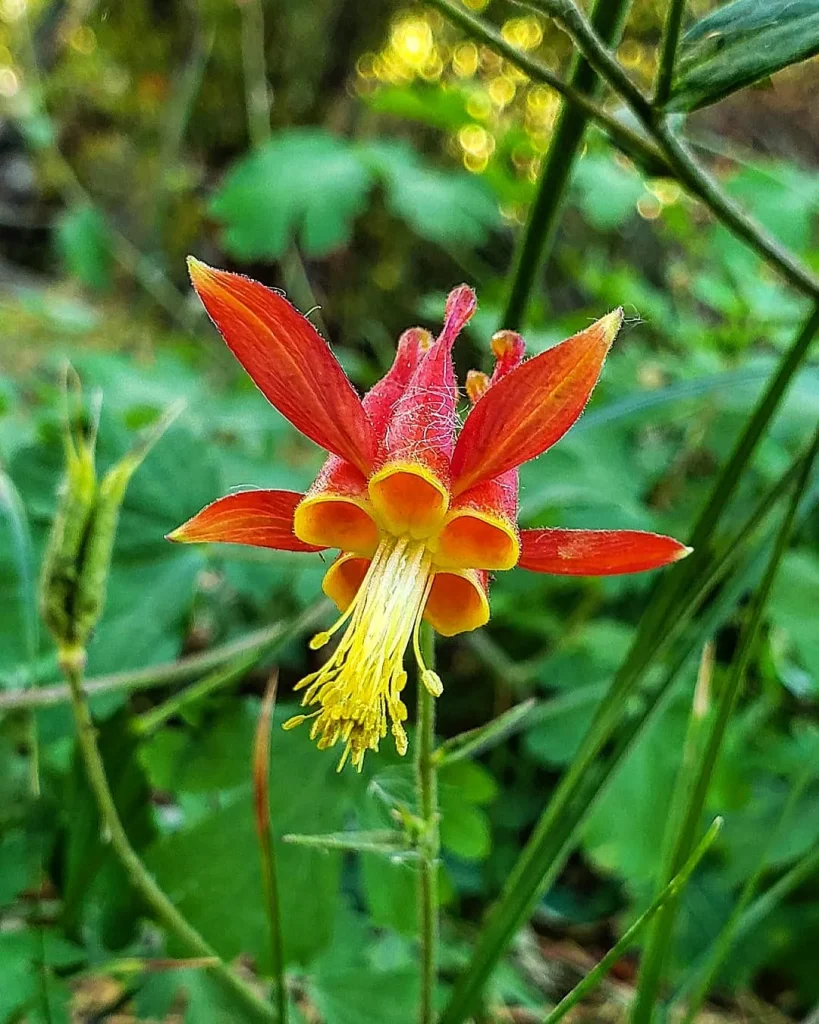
(606,192)
(21,953)
(740,43)
(304,184)
(84,245)
(441,206)
(793,607)
(349,986)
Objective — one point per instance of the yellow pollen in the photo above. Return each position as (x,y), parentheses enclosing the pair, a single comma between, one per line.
(358,689)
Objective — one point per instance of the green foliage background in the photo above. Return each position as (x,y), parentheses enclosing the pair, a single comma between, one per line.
(125,145)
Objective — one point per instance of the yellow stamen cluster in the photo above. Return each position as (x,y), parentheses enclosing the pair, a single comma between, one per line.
(360,686)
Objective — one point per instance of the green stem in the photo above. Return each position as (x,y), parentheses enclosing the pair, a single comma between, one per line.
(608,17)
(72,661)
(155,718)
(627,939)
(257,95)
(260,643)
(426,782)
(681,160)
(668,53)
(630,142)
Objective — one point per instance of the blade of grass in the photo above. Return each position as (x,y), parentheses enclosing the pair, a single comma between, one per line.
(659,943)
(703,973)
(628,938)
(426,791)
(264,829)
(469,744)
(541,858)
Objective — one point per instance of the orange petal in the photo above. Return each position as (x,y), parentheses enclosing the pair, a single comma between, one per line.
(458,602)
(480,530)
(597,552)
(343,578)
(410,487)
(288,361)
(336,511)
(531,407)
(263,519)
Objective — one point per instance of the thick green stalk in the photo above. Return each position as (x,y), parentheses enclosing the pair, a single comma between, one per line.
(426,783)
(608,17)
(668,51)
(72,661)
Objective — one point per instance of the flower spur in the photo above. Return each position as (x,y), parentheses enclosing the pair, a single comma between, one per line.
(420,511)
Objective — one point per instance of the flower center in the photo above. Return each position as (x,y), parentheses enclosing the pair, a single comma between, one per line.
(360,686)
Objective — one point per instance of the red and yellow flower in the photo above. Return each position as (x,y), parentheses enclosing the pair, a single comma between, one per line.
(421,511)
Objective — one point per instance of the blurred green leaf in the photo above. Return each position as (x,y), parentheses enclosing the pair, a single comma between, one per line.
(84,246)
(20,976)
(740,43)
(304,185)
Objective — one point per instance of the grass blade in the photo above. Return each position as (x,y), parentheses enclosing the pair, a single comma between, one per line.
(627,939)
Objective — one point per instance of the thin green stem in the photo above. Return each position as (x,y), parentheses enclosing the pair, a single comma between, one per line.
(538,238)
(668,52)
(72,661)
(628,938)
(683,163)
(261,642)
(257,94)
(154,719)
(626,139)
(426,783)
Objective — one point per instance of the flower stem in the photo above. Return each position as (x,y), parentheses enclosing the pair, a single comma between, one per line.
(668,54)
(426,782)
(72,661)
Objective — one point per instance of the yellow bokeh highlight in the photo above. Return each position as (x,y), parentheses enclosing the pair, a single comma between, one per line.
(465,59)
(9,83)
(411,39)
(525,33)
(649,207)
(476,140)
(501,91)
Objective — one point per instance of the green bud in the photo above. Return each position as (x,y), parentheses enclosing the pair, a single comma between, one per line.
(78,555)
(75,508)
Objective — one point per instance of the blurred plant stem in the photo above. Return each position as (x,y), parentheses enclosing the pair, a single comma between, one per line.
(686,168)
(668,51)
(267,846)
(661,153)
(257,106)
(72,660)
(630,142)
(259,643)
(426,787)
(608,18)
(43,138)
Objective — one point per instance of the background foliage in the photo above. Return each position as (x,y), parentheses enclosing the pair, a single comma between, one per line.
(402,158)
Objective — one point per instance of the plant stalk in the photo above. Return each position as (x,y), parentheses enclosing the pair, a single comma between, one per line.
(426,783)
(668,52)
(608,17)
(72,661)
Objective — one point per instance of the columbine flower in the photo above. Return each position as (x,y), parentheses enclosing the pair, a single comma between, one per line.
(421,512)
